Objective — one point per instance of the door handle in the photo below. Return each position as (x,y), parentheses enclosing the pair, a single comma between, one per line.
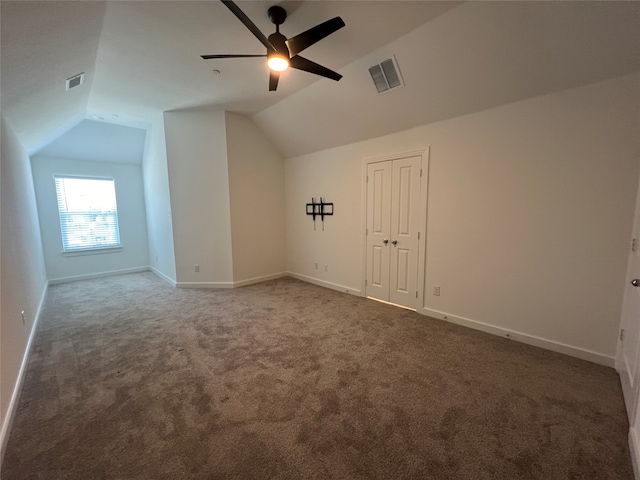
(395,242)
(385,241)
(635,282)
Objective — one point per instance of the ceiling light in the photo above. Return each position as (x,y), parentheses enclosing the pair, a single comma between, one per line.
(278,63)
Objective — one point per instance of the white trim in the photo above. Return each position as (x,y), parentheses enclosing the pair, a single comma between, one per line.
(92,251)
(634,452)
(264,278)
(164,277)
(554,346)
(396,156)
(323,283)
(7,422)
(204,284)
(89,276)
(425,161)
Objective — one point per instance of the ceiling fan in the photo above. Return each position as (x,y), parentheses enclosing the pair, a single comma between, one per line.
(282,53)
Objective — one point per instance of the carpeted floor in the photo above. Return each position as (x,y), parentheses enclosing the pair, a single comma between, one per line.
(130,378)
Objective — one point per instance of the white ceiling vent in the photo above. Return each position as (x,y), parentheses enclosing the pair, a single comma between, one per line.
(75,81)
(386,75)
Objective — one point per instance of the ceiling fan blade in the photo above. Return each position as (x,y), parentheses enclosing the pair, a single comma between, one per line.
(207,57)
(249,24)
(302,63)
(273,80)
(306,39)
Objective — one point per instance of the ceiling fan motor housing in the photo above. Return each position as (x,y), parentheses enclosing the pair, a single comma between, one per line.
(278,41)
(277,15)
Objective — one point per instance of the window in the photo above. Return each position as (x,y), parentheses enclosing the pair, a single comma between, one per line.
(88,213)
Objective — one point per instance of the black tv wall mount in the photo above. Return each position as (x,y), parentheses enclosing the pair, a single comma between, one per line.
(320,209)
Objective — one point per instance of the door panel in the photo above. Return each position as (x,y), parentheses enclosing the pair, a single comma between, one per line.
(402,270)
(628,353)
(378,229)
(380,212)
(376,269)
(405,200)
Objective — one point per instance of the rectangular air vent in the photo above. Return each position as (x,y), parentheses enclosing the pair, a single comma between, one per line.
(75,81)
(386,75)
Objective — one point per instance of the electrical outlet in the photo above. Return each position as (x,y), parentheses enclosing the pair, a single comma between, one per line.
(436,290)
(196,268)
(23,317)
(326,267)
(316,264)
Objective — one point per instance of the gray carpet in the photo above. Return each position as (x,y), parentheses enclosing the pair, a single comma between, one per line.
(130,378)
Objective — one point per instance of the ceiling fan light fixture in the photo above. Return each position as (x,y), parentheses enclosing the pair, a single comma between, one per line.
(278,63)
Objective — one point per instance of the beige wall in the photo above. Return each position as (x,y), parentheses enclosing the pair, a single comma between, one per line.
(155,178)
(530,210)
(199,190)
(23,280)
(256,187)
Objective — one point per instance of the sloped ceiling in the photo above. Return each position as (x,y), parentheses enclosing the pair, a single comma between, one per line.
(43,44)
(142,57)
(97,141)
(476,56)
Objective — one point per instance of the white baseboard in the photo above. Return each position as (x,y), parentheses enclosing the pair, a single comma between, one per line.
(264,278)
(241,283)
(204,284)
(554,346)
(164,277)
(323,283)
(89,276)
(634,450)
(7,422)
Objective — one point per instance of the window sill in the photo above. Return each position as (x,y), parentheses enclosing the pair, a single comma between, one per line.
(91,251)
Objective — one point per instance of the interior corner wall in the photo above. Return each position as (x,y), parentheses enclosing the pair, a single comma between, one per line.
(256,188)
(199,189)
(157,199)
(529,212)
(23,280)
(134,254)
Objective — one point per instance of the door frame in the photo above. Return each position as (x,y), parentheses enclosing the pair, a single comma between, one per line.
(422,241)
(629,373)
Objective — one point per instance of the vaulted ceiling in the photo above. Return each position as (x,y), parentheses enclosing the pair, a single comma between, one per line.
(141,58)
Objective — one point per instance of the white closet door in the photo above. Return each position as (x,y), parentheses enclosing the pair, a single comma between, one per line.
(405,223)
(378,229)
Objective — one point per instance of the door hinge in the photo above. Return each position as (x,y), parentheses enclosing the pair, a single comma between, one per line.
(366,231)
(418,235)
(622,334)
(366,282)
(634,245)
(367,178)
(416,294)
(420,172)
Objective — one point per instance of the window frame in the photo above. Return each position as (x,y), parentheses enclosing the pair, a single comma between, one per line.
(93,249)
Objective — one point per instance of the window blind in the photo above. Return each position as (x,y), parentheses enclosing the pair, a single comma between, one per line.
(88,213)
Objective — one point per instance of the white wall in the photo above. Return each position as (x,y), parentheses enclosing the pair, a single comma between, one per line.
(23,279)
(131,217)
(155,177)
(199,189)
(256,187)
(530,211)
